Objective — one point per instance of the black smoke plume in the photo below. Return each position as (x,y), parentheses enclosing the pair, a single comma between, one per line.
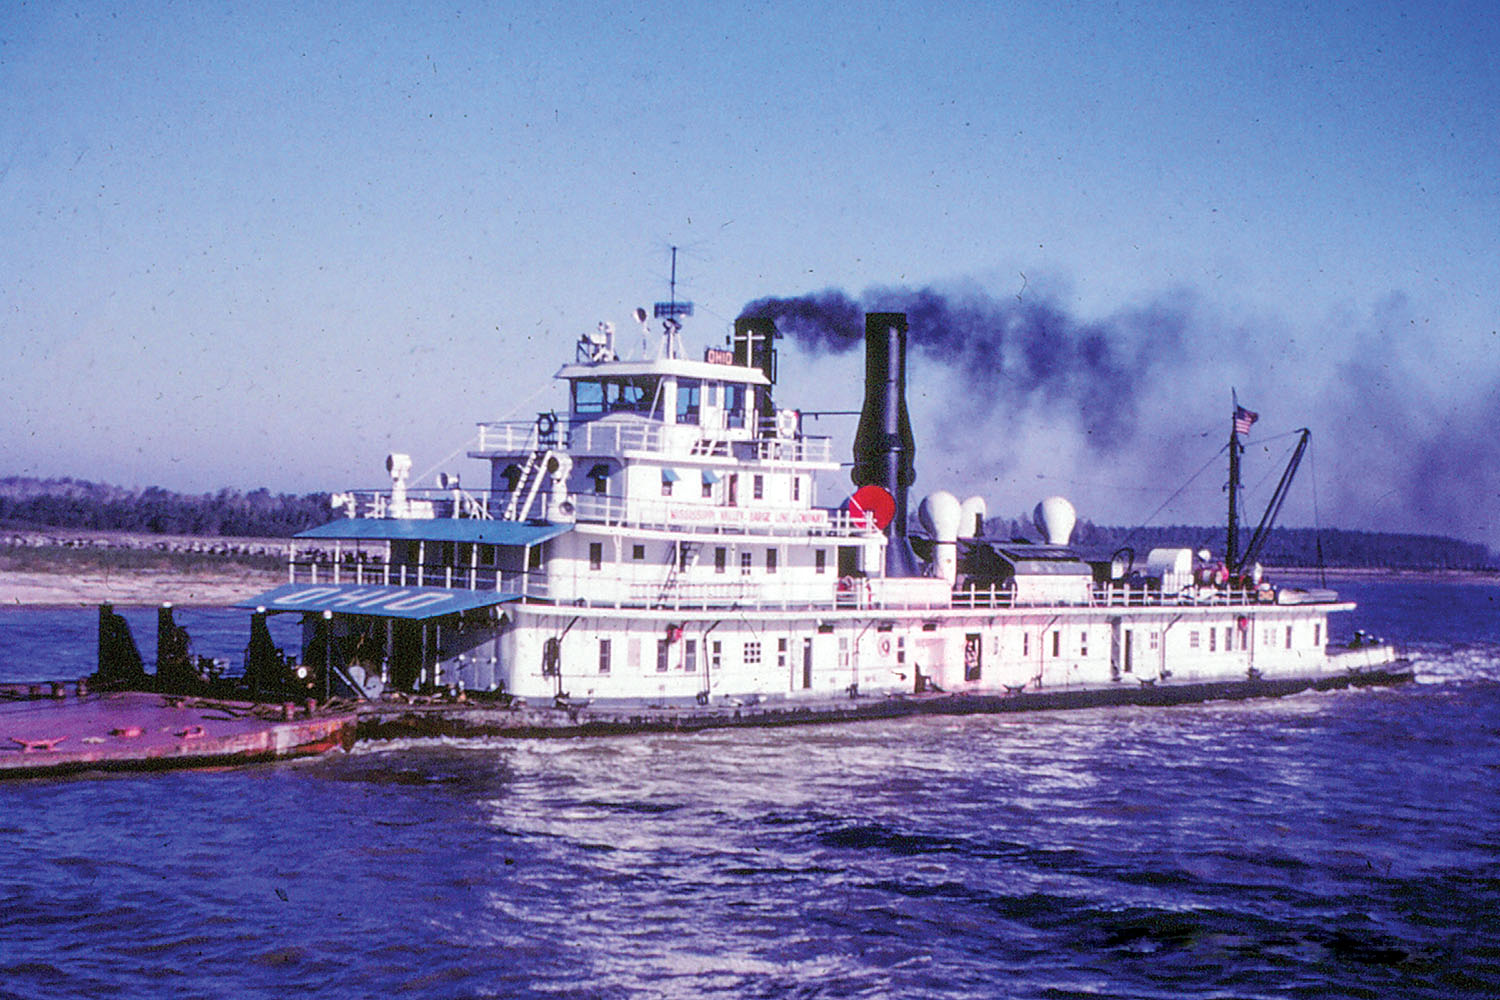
(1006,352)
(1404,436)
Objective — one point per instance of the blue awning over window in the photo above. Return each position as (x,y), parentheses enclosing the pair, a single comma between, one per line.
(710,476)
(669,475)
(384,602)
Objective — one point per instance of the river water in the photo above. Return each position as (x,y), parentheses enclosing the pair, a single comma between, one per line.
(1324,845)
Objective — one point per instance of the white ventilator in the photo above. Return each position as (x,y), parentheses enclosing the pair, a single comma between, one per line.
(940,513)
(971,515)
(1054,517)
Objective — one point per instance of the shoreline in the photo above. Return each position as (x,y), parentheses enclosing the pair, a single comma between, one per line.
(208,587)
(126,588)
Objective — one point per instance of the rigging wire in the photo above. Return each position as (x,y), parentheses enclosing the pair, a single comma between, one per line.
(1179,491)
(1317,520)
(473,438)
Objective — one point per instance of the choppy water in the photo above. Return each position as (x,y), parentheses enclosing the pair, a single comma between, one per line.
(1341,844)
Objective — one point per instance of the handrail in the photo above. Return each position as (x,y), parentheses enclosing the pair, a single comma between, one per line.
(598,437)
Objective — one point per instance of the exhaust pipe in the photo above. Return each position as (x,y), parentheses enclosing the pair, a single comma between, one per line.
(884,450)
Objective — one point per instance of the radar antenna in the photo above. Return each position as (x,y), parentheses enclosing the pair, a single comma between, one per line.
(670,311)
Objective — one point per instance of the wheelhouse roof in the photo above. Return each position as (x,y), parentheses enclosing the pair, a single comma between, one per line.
(665,366)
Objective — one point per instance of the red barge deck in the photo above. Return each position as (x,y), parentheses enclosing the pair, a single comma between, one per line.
(140,731)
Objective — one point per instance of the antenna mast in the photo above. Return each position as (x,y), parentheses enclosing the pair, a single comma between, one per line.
(669,311)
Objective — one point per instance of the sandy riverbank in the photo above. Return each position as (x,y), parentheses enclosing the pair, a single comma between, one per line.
(143,587)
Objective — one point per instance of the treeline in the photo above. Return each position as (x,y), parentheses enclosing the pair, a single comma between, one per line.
(1332,547)
(74,503)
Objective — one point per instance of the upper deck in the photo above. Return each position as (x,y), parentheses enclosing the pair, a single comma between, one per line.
(775,440)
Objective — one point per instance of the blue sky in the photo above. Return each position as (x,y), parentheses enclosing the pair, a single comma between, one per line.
(264,244)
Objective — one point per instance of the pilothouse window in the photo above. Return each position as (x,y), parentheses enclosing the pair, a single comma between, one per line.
(615,395)
(687,400)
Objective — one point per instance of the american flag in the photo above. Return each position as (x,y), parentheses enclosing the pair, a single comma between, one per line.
(1243,418)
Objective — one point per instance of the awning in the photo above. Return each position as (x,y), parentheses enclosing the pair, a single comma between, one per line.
(599,471)
(669,475)
(439,529)
(710,476)
(383,602)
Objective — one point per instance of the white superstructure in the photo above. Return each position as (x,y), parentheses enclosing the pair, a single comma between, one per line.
(664,540)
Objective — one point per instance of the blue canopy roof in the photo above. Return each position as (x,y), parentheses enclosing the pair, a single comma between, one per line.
(385,602)
(443,529)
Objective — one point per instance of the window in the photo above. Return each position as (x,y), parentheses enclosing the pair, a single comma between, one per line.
(721,559)
(1056,643)
(1193,639)
(1025,643)
(638,552)
(708,489)
(1083,644)
(820,560)
(601,485)
(1154,640)
(781,652)
(1288,637)
(1213,639)
(770,560)
(716,655)
(662,647)
(615,395)
(666,486)
(690,656)
(688,391)
(900,649)
(758,487)
(1228,639)
(596,555)
(796,488)
(746,559)
(734,406)
(604,656)
(973,653)
(752,653)
(1317,633)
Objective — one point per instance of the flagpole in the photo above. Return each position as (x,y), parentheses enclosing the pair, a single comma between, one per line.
(1231,548)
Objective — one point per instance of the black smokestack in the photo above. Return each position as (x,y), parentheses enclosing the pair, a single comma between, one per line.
(884,449)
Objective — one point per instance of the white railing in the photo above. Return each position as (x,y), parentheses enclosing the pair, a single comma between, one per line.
(847,593)
(481,578)
(599,437)
(420,504)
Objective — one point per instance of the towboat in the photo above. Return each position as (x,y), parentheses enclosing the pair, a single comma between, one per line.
(663,542)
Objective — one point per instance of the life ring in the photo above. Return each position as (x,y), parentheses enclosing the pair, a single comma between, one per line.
(885,646)
(786,423)
(546,423)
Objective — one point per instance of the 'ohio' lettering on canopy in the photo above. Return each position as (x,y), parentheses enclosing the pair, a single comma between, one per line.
(337,597)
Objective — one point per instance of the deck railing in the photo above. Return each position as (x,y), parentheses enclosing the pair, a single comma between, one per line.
(848,594)
(383,574)
(599,437)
